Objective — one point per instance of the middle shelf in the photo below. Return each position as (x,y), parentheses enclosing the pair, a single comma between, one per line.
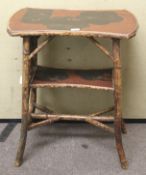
(55,78)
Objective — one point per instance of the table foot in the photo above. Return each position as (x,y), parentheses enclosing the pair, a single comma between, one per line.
(22,142)
(18,163)
(124,165)
(119,145)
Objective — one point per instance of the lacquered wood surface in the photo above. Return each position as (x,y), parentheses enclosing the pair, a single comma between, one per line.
(105,23)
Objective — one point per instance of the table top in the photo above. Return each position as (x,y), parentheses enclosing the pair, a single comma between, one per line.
(103,23)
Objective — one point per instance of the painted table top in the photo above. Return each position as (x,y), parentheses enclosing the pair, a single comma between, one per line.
(105,23)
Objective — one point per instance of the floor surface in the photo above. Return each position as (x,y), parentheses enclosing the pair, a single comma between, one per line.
(74,149)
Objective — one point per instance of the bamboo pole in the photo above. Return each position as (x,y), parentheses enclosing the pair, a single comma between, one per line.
(71,117)
(101,47)
(42,123)
(117,96)
(32,100)
(43,109)
(33,93)
(99,124)
(123,127)
(92,120)
(102,112)
(42,45)
(25,101)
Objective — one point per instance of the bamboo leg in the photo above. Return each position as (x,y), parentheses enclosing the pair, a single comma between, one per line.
(22,141)
(32,101)
(25,101)
(117,96)
(123,127)
(33,66)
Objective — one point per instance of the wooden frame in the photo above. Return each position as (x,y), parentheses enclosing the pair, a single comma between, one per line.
(29,99)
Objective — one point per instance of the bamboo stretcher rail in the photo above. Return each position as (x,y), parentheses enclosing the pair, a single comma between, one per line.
(49,111)
(71,117)
(42,123)
(101,47)
(43,108)
(99,125)
(42,45)
(49,118)
(102,112)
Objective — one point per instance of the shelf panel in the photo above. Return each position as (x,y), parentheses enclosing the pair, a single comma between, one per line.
(94,79)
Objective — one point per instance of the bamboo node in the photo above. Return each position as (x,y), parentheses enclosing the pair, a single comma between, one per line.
(26,52)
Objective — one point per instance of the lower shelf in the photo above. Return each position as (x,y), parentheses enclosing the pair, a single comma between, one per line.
(94,79)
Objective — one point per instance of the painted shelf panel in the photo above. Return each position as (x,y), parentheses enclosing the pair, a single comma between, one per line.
(94,79)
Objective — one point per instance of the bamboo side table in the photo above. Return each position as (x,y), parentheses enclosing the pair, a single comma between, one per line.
(30,24)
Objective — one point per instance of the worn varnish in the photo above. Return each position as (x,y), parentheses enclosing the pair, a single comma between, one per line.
(108,23)
(33,23)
